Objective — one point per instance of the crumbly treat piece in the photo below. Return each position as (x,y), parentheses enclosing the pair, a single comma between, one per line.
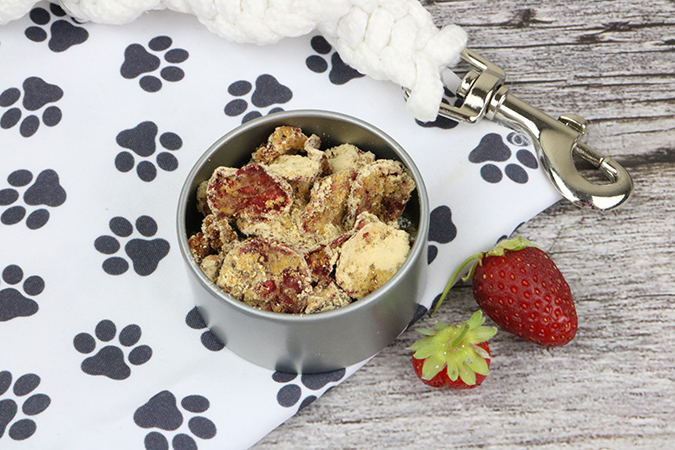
(327,298)
(281,141)
(312,148)
(219,233)
(301,190)
(295,168)
(217,236)
(301,171)
(202,204)
(283,227)
(364,219)
(322,259)
(312,143)
(323,215)
(321,262)
(370,258)
(382,188)
(266,274)
(211,265)
(199,246)
(348,155)
(251,191)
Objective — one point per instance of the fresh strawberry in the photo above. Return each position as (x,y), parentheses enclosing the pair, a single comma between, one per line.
(520,288)
(454,355)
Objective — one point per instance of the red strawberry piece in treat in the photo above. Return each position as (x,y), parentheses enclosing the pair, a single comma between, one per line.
(521,289)
(457,356)
(267,275)
(251,191)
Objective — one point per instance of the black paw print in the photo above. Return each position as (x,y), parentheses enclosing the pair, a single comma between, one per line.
(142,141)
(37,93)
(145,254)
(137,61)
(20,429)
(209,340)
(46,190)
(441,230)
(419,313)
(110,360)
(162,412)
(290,394)
(493,149)
(268,91)
(340,73)
(63,33)
(14,302)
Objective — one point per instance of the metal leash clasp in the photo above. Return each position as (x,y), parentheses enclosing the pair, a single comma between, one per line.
(482,94)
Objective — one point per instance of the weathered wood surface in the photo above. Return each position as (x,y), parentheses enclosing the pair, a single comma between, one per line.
(612,62)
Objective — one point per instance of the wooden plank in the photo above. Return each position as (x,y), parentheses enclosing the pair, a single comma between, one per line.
(610,62)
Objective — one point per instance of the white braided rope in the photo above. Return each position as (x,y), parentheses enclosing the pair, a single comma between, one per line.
(393,40)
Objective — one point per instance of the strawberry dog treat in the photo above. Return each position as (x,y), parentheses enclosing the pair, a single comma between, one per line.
(299,230)
(382,188)
(251,191)
(266,274)
(370,258)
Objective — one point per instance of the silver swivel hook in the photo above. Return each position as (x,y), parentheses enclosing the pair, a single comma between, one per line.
(482,94)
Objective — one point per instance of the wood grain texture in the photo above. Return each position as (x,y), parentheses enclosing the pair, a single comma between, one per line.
(612,62)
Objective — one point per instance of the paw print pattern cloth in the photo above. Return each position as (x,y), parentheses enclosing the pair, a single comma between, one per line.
(100,343)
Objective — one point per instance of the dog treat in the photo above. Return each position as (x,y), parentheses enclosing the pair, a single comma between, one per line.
(370,258)
(252,191)
(283,140)
(219,233)
(321,260)
(211,265)
(323,215)
(382,188)
(300,230)
(266,274)
(199,247)
(327,298)
(283,228)
(202,203)
(347,155)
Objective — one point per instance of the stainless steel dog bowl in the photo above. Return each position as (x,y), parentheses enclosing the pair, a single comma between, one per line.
(323,341)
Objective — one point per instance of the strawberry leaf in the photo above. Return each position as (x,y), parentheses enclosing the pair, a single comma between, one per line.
(453,348)
(467,375)
(515,244)
(426,332)
(434,364)
(478,365)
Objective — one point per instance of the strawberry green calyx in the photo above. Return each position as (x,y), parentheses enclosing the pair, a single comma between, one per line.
(515,244)
(454,348)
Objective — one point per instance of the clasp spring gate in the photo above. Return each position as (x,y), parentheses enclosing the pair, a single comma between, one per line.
(482,94)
